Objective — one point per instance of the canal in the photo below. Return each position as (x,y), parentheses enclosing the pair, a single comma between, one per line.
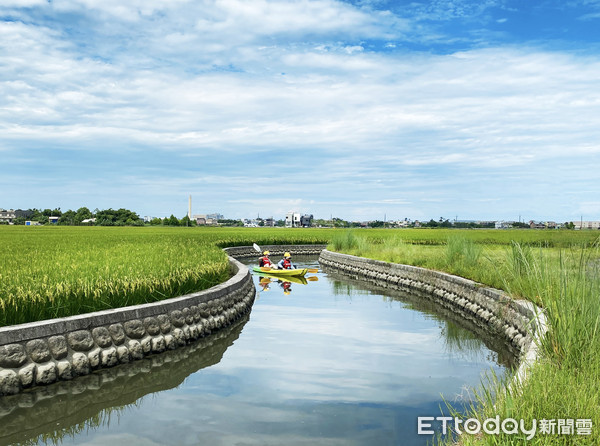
(328,361)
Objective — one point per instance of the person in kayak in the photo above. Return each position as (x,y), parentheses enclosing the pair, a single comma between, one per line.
(286,262)
(265,261)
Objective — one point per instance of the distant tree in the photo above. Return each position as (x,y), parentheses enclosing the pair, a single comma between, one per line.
(172,221)
(156,221)
(68,218)
(187,221)
(82,214)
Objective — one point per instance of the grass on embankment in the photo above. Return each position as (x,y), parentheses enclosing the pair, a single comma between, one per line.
(48,272)
(565,281)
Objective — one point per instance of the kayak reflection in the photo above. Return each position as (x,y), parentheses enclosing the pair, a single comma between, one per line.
(267,280)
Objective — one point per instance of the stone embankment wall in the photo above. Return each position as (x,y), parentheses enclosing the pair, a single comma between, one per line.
(519,322)
(275,250)
(45,352)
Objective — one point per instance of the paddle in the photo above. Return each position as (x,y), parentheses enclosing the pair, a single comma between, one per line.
(266,268)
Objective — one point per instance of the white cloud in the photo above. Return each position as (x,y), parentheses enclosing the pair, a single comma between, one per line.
(223,78)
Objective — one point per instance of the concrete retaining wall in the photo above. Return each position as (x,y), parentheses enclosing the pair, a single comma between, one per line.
(519,322)
(275,250)
(44,352)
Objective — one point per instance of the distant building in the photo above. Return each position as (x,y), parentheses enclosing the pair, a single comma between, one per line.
(586,224)
(204,220)
(536,225)
(503,224)
(306,221)
(269,222)
(207,219)
(292,220)
(53,220)
(7,216)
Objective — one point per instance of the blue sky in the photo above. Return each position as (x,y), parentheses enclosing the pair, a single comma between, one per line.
(483,109)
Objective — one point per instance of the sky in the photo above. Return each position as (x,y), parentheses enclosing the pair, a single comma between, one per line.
(361,110)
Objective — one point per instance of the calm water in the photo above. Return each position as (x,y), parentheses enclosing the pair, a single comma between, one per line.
(329,362)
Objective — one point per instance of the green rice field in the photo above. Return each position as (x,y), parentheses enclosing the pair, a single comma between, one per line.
(48,272)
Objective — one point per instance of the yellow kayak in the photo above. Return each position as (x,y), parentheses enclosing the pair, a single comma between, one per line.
(300,272)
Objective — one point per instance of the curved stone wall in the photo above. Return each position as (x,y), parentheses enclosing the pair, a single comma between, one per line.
(44,352)
(296,250)
(519,322)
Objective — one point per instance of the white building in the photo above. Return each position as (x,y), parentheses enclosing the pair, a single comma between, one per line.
(586,224)
(292,219)
(7,215)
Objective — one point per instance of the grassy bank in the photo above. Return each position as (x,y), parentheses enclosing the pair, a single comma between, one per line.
(563,278)
(48,272)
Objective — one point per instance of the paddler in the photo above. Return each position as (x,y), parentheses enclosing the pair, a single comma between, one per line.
(265,261)
(286,262)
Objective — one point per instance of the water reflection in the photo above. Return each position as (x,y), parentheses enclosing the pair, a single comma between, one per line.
(462,337)
(68,408)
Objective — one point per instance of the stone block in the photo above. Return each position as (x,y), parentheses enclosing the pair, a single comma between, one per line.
(164,322)
(123,354)
(64,370)
(95,358)
(38,350)
(27,375)
(102,337)
(118,333)
(81,364)
(12,355)
(152,326)
(170,342)
(46,373)
(108,357)
(177,318)
(9,382)
(158,344)
(58,346)
(134,329)
(146,344)
(81,340)
(135,349)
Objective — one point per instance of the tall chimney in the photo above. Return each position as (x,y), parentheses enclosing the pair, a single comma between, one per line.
(190,207)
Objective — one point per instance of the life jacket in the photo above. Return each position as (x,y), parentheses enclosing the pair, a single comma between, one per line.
(265,261)
(287,264)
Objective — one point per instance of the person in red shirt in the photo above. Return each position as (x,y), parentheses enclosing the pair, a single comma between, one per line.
(286,262)
(265,261)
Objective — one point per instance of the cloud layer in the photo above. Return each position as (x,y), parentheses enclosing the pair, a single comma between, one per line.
(321,106)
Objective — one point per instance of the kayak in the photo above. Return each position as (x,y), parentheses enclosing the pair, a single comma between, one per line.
(300,272)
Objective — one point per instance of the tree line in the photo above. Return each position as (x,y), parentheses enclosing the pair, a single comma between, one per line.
(105,217)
